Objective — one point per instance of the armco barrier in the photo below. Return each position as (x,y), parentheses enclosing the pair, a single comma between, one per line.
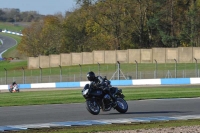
(169,81)
(11,32)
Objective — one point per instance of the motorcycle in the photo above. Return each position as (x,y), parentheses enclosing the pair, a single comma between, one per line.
(97,99)
(13,88)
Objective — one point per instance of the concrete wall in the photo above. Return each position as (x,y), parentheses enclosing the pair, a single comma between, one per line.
(134,55)
(65,60)
(196,54)
(76,58)
(54,60)
(146,55)
(99,57)
(171,55)
(122,56)
(161,55)
(44,61)
(185,54)
(87,58)
(33,62)
(110,57)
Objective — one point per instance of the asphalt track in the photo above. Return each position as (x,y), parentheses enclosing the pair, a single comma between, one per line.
(7,43)
(18,115)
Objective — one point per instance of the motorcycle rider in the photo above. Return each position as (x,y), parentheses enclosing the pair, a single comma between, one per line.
(99,82)
(14,83)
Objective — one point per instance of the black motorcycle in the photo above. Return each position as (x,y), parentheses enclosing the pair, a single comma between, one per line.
(97,99)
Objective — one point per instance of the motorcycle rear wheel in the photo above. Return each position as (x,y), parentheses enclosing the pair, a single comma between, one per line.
(92,107)
(122,105)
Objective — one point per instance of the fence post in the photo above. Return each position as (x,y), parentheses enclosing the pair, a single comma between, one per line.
(60,73)
(118,71)
(99,69)
(175,68)
(23,75)
(80,72)
(40,74)
(156,69)
(136,69)
(196,67)
(5,75)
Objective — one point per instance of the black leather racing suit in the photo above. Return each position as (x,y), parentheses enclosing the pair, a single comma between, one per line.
(99,82)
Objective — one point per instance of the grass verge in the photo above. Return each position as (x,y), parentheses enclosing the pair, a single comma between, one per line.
(105,69)
(11,27)
(75,96)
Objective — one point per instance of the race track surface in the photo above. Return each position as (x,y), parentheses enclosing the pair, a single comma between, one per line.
(18,115)
(7,43)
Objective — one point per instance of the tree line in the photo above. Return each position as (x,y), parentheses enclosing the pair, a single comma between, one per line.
(115,25)
(15,15)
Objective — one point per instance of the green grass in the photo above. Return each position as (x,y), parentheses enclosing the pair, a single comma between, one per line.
(12,65)
(104,68)
(74,96)
(11,27)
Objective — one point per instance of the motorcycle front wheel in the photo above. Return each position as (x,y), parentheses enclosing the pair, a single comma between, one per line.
(10,90)
(92,107)
(122,105)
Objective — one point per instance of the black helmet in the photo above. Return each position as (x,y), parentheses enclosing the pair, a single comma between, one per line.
(91,76)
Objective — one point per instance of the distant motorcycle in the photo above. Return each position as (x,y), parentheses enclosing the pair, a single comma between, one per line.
(13,88)
(97,99)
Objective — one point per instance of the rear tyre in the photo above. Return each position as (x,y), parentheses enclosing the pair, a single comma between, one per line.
(92,107)
(122,105)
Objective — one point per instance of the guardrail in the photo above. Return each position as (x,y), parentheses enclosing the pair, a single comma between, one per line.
(136,82)
(11,32)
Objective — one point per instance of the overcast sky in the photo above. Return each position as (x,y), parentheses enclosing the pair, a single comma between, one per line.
(44,7)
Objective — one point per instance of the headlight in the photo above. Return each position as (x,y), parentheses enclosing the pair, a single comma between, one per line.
(85,92)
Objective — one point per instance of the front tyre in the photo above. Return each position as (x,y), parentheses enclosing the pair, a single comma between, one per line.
(92,107)
(10,90)
(122,105)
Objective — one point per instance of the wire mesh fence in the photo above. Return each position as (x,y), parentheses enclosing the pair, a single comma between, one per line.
(111,71)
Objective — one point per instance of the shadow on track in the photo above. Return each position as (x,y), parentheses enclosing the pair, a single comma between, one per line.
(152,112)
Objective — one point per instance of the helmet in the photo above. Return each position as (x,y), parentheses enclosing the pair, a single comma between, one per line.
(91,76)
